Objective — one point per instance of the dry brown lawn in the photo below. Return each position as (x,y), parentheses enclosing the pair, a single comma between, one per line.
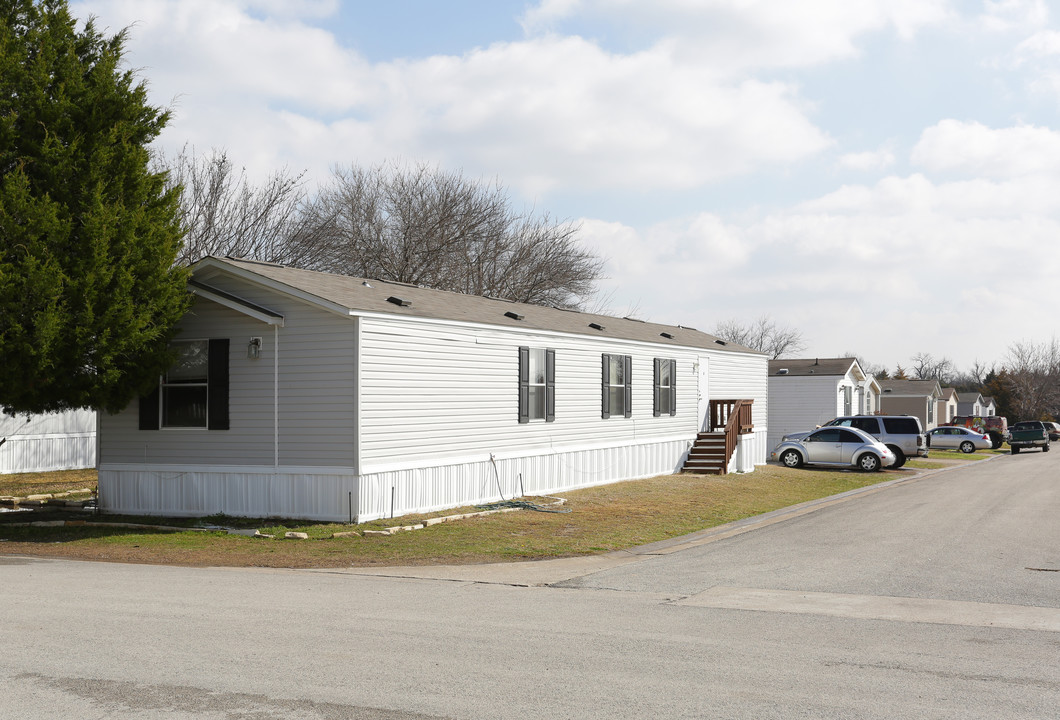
(601,519)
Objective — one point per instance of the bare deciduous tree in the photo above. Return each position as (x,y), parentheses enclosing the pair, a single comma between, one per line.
(763,335)
(419,225)
(224,213)
(927,367)
(429,227)
(1033,372)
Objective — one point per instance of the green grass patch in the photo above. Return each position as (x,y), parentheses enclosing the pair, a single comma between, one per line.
(602,519)
(958,455)
(47,483)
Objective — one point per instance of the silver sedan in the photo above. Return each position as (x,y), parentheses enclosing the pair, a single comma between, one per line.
(837,446)
(958,438)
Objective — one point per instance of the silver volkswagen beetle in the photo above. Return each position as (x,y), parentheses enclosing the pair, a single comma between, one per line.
(836,446)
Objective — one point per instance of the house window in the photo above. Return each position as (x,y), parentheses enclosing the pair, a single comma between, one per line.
(617,386)
(537,384)
(185,387)
(931,411)
(848,399)
(193,393)
(665,402)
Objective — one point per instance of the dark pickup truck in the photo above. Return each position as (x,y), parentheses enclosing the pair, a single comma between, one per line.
(1026,434)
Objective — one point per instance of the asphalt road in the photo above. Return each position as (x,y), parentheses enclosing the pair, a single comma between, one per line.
(932,598)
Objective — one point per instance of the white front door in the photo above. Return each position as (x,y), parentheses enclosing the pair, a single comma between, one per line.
(704,398)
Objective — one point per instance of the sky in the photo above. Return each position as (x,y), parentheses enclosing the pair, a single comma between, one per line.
(881,175)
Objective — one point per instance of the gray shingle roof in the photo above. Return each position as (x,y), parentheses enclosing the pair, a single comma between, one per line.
(399,299)
(811,366)
(909,387)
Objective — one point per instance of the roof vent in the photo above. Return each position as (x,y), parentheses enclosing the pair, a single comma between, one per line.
(513,315)
(888,389)
(782,371)
(721,342)
(366,283)
(668,336)
(596,326)
(399,301)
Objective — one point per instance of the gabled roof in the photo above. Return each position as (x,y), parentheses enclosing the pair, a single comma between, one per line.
(804,367)
(358,296)
(911,388)
(950,394)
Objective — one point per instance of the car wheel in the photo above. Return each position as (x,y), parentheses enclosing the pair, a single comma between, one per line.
(869,462)
(1015,451)
(967,447)
(791,458)
(899,456)
(997,440)
(1045,448)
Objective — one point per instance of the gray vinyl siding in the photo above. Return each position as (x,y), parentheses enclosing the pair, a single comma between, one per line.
(432,391)
(799,404)
(916,406)
(316,381)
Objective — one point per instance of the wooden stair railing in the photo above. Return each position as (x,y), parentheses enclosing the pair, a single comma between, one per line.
(713,449)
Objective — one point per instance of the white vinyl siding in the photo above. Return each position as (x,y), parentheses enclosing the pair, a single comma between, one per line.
(433,391)
(382,414)
(49,441)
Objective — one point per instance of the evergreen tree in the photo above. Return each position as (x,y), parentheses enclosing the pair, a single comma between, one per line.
(89,292)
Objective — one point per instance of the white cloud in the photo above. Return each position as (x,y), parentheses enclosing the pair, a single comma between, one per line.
(543,114)
(1041,44)
(868,160)
(889,269)
(1007,15)
(738,34)
(971,148)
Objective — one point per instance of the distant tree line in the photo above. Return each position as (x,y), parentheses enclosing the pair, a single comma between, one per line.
(1025,385)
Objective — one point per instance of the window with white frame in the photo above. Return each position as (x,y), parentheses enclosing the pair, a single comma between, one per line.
(617,386)
(185,386)
(665,395)
(193,393)
(537,384)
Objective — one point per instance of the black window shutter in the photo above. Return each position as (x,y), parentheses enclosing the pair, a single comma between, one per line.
(550,385)
(627,364)
(217,388)
(605,405)
(524,384)
(673,387)
(149,410)
(656,395)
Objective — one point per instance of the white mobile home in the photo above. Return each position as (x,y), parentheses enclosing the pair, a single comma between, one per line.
(46,442)
(807,392)
(310,395)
